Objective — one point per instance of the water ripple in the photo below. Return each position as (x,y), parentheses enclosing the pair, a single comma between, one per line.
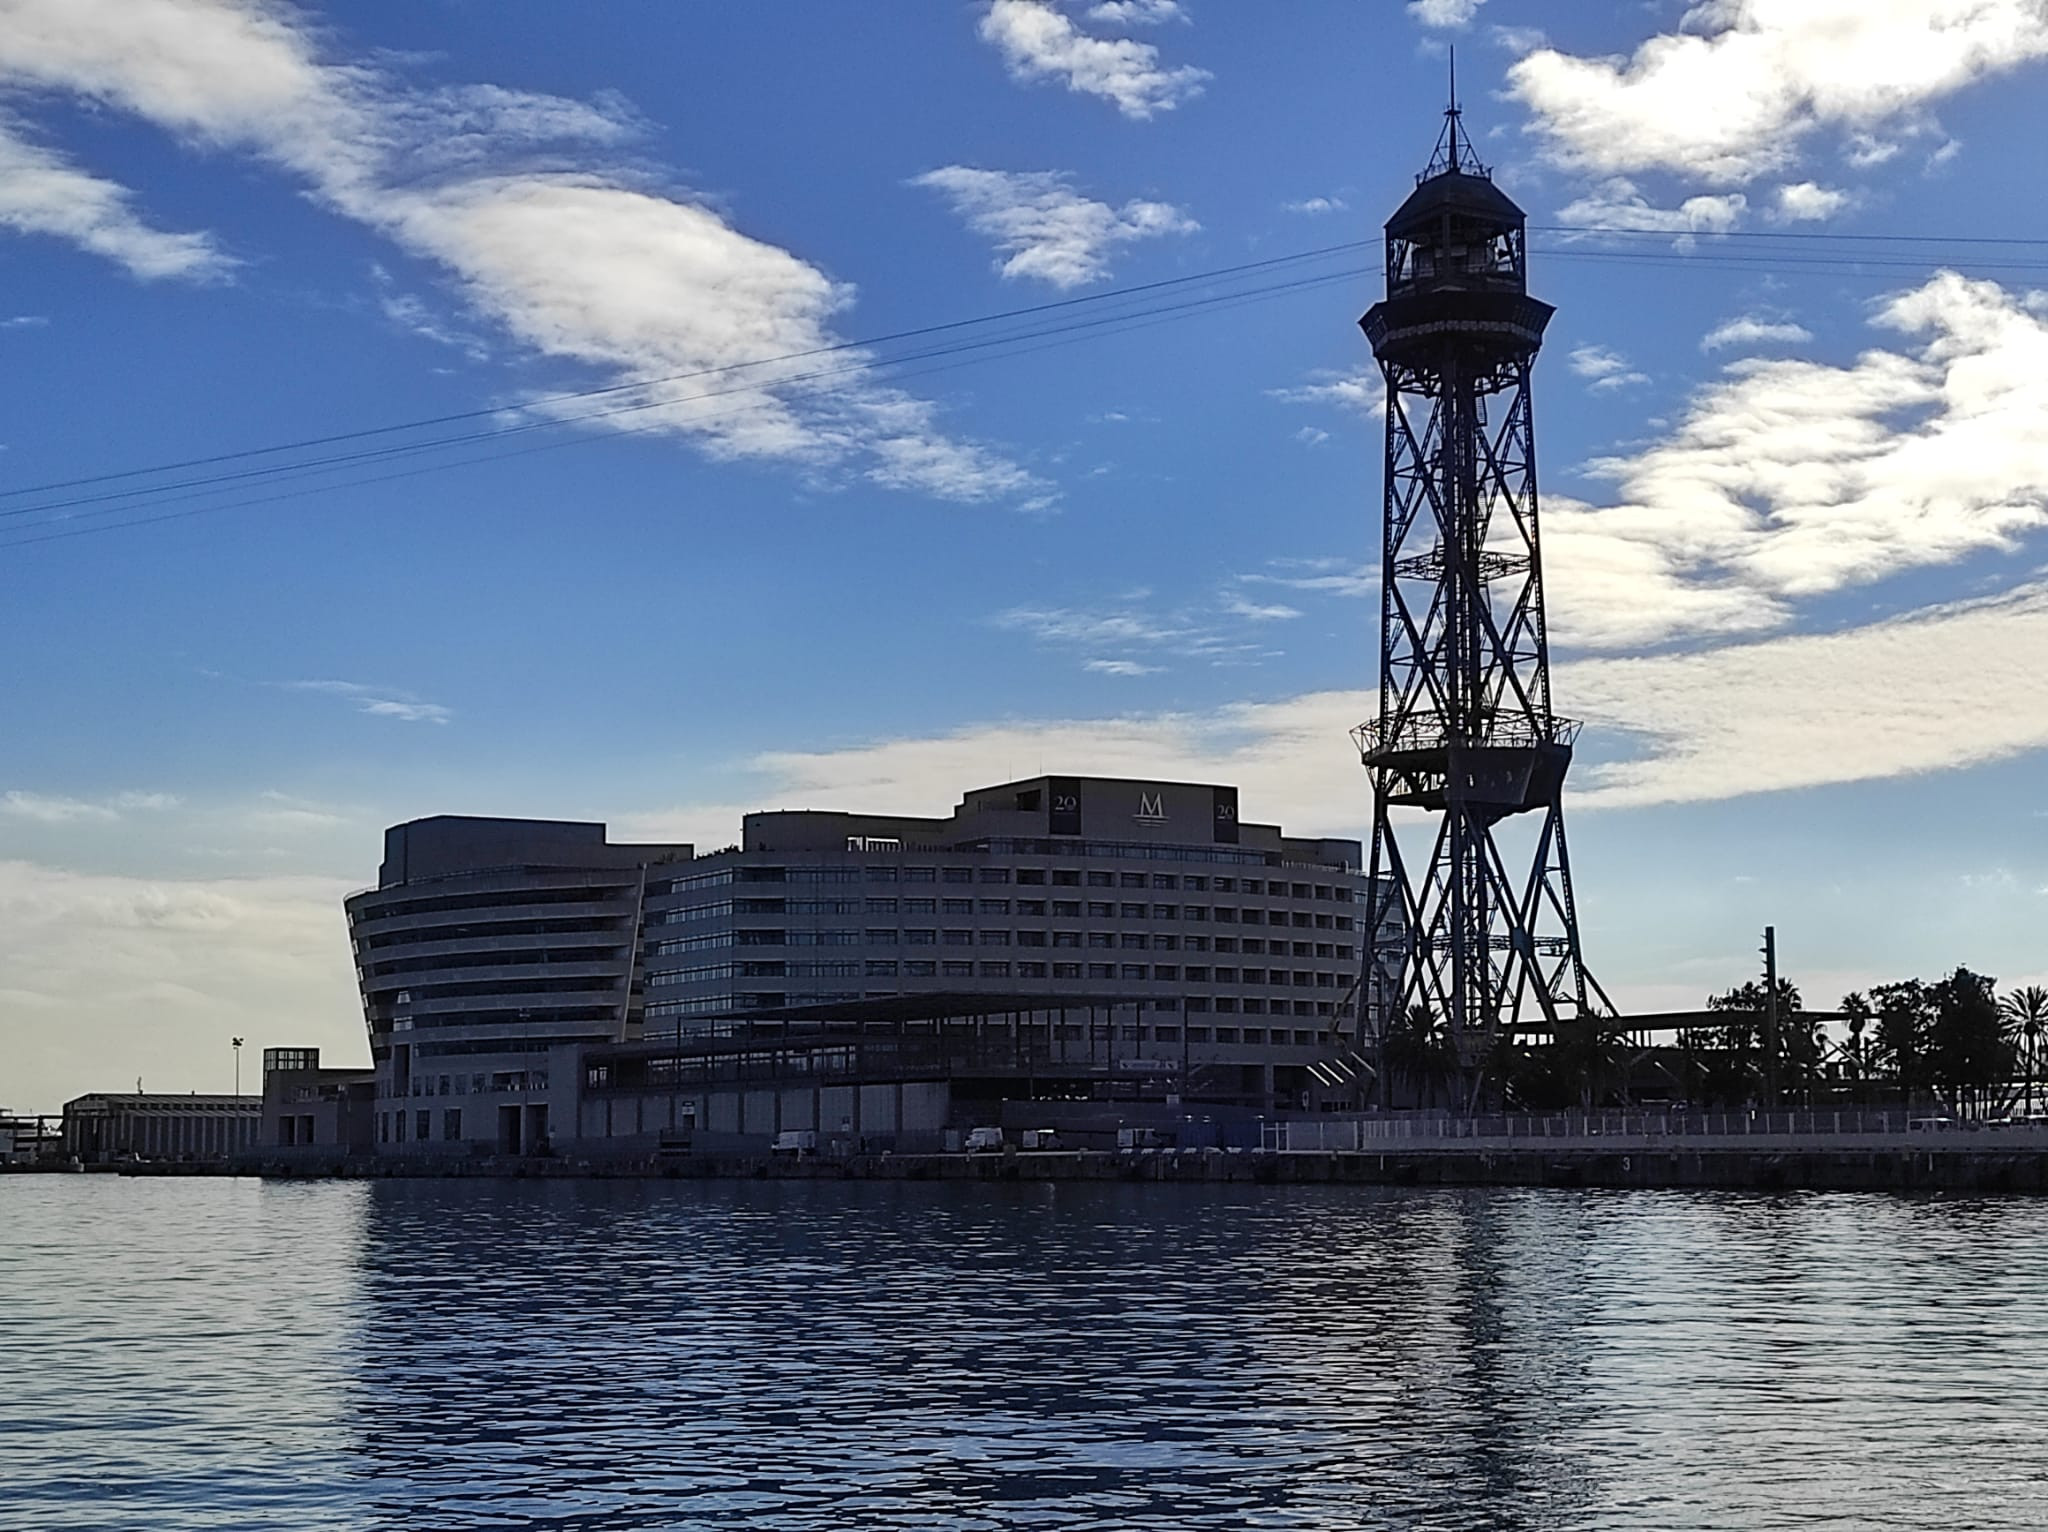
(788,1355)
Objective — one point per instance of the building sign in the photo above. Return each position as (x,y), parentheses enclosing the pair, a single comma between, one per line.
(1063,806)
(1224,832)
(1151,808)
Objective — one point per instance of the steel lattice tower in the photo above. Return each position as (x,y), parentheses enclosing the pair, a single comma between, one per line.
(1484,937)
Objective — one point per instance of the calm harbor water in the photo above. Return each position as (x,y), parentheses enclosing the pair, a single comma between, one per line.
(449,1355)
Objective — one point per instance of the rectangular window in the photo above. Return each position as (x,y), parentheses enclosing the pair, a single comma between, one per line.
(881,968)
(1168,1034)
(1066,970)
(1066,909)
(1131,911)
(398,1121)
(1132,940)
(1101,939)
(877,937)
(1031,875)
(953,969)
(1198,1034)
(1226,1034)
(1254,1035)
(451,1124)
(956,906)
(1100,879)
(423,1124)
(995,874)
(1255,976)
(920,874)
(1198,975)
(1196,884)
(1031,970)
(1132,971)
(956,875)
(1254,1007)
(383,1127)
(920,938)
(1030,906)
(1100,909)
(1132,880)
(1102,970)
(1166,912)
(1165,943)
(1031,938)
(1226,1003)
(994,907)
(920,906)
(1226,885)
(881,874)
(1226,976)
(881,906)
(1198,1002)
(1165,880)
(1225,915)
(1066,938)
(995,938)
(958,938)
(1165,971)
(995,970)
(1226,944)
(1066,877)
(1252,886)
(916,970)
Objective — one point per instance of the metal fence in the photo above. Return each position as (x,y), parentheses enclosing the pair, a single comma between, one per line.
(1649,1129)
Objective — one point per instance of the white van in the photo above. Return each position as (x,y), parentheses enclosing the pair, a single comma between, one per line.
(984,1140)
(798,1141)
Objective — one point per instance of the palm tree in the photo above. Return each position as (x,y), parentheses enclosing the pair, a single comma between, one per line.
(2025,1015)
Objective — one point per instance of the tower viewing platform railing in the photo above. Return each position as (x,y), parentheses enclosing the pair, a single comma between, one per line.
(1431,731)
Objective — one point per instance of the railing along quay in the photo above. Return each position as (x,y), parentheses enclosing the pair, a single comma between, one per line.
(1851,1128)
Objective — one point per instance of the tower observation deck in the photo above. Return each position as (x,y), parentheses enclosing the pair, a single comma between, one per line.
(1485,937)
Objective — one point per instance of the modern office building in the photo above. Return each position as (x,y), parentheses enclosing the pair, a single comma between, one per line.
(486,943)
(1229,952)
(1237,944)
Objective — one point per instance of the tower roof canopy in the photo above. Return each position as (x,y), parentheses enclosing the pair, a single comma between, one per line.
(1454,191)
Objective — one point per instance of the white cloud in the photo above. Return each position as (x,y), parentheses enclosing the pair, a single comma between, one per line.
(1950,687)
(597,266)
(44,808)
(1737,90)
(41,192)
(1787,479)
(1045,229)
(1361,389)
(378,701)
(1604,368)
(1750,330)
(1137,13)
(1039,44)
(1617,204)
(1314,207)
(1237,606)
(1453,14)
(1311,436)
(1806,202)
(1065,625)
(1121,668)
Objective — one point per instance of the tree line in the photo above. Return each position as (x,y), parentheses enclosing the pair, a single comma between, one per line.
(1955,1041)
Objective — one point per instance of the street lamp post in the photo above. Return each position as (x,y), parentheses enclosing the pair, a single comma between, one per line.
(238,1064)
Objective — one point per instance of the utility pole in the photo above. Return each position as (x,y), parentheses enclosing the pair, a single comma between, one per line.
(1770,952)
(237,1042)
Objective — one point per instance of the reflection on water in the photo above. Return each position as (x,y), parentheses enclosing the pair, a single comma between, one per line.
(759,1355)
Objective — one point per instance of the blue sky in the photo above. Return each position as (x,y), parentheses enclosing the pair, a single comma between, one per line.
(1793,451)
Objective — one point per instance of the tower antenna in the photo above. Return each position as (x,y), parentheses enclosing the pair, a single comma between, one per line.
(1451,111)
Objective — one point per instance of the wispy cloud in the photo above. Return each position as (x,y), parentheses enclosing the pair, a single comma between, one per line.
(1605,369)
(1314,207)
(42,192)
(1137,13)
(526,203)
(1750,330)
(52,809)
(1255,611)
(1617,204)
(1120,668)
(1043,228)
(1444,14)
(1361,389)
(1040,44)
(378,701)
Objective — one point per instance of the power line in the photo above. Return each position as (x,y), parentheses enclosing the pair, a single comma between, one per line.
(574,395)
(1127,309)
(1109,296)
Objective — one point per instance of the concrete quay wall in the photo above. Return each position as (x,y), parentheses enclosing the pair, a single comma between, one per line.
(1834,1168)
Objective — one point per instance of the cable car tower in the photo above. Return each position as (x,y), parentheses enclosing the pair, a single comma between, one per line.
(1483,938)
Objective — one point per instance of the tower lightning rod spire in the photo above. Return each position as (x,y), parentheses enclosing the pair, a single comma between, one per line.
(1451,111)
